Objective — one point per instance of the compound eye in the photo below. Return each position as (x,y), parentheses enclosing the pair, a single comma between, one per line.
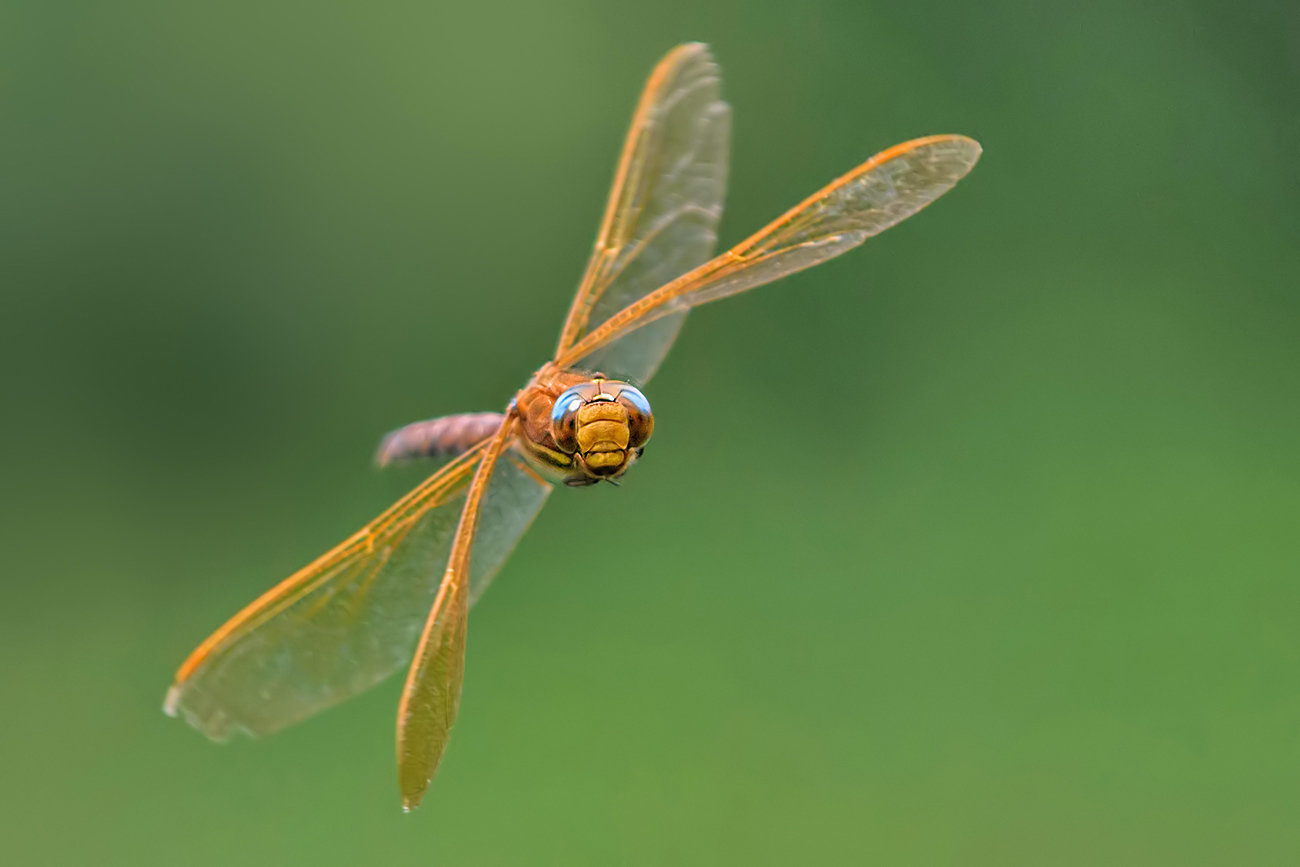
(640,419)
(564,420)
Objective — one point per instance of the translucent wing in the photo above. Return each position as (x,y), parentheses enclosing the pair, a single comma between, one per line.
(352,618)
(883,191)
(431,696)
(662,216)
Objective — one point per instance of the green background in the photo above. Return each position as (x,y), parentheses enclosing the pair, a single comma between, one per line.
(978,545)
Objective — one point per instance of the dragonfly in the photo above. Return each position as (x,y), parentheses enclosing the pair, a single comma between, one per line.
(397,592)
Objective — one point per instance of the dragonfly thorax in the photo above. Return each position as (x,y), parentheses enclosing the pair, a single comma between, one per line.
(591,431)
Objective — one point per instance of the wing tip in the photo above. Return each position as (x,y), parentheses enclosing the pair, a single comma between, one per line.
(951,138)
(968,141)
(216,726)
(413,777)
(961,152)
(690,53)
(172,701)
(690,48)
(976,149)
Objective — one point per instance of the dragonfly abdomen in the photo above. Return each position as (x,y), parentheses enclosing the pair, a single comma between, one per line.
(443,437)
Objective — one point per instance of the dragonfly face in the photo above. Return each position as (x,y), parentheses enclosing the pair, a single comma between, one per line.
(604,425)
(396,594)
(581,429)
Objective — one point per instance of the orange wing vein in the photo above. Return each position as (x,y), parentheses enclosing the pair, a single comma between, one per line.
(352,617)
(432,693)
(885,190)
(663,210)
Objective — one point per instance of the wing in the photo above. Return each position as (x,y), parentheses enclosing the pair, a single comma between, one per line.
(432,693)
(885,190)
(351,618)
(662,216)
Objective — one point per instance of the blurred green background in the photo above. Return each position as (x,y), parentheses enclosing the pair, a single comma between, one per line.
(1005,572)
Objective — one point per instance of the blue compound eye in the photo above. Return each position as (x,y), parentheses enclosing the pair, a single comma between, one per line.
(564,419)
(640,418)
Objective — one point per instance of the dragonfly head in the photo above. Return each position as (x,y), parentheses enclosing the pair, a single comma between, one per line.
(604,424)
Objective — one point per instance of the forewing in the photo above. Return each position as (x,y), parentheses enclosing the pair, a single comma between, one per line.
(513,499)
(352,618)
(883,191)
(663,211)
(431,696)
